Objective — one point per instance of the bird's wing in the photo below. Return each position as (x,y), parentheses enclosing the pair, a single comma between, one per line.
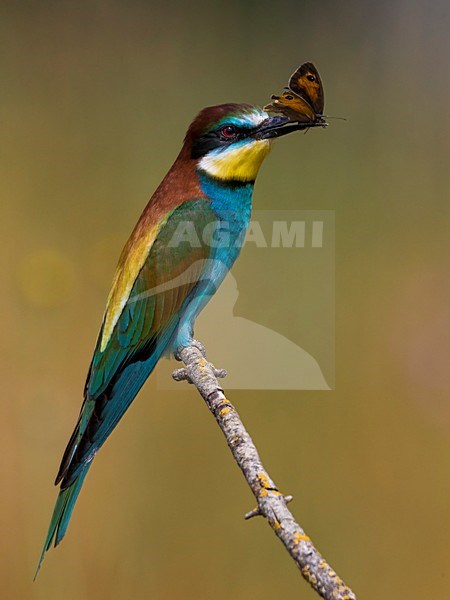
(142,330)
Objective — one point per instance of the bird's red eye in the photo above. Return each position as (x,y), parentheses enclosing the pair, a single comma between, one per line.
(228,132)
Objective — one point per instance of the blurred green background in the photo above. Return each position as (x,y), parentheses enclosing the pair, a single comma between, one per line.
(96,97)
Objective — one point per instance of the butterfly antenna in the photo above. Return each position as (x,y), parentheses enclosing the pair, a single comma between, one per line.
(339,118)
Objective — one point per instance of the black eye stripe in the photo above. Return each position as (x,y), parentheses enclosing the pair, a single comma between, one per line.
(215,139)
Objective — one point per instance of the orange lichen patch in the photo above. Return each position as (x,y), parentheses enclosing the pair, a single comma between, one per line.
(322,564)
(264,480)
(276,525)
(224,401)
(298,537)
(226,407)
(310,577)
(202,363)
(263,493)
(332,574)
(203,367)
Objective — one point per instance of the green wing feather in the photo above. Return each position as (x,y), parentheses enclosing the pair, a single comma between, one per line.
(148,319)
(142,332)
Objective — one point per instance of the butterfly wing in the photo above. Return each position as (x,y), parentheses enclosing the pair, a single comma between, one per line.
(306,83)
(292,106)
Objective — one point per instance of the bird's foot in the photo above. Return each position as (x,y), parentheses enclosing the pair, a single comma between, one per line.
(193,343)
(220,373)
(200,347)
(183,373)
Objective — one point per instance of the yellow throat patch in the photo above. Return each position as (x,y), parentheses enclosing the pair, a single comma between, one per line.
(240,163)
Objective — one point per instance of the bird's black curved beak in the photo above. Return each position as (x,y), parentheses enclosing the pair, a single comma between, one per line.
(277,126)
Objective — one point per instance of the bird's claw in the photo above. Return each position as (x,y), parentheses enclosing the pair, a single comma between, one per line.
(220,373)
(196,344)
(183,373)
(200,347)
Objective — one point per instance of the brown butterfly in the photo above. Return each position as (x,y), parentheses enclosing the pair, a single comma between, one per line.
(304,99)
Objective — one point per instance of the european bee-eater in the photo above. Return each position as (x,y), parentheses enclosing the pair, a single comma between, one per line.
(166,275)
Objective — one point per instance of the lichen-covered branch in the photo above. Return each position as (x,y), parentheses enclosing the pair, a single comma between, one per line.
(271,503)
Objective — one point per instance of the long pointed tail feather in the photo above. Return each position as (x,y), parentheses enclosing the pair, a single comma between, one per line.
(61,514)
(85,442)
